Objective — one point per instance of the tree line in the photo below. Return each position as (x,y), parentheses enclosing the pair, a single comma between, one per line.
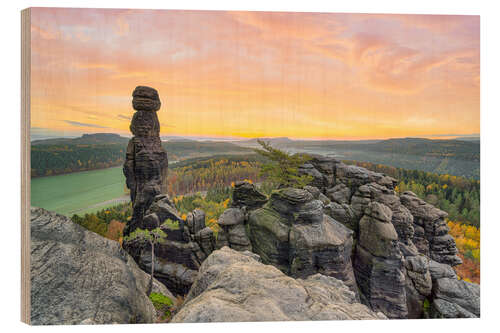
(49,160)
(216,172)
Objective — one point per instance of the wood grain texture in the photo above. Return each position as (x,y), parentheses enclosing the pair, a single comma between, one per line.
(25,163)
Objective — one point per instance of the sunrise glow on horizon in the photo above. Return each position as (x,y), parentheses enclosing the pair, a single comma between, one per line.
(257,74)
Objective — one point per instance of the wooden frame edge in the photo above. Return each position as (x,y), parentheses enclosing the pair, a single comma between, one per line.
(25,165)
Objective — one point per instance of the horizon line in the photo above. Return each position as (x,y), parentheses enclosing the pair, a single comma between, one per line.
(74,134)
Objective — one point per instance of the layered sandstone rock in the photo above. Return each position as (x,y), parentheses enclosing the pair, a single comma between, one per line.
(402,243)
(178,258)
(146,162)
(246,195)
(188,242)
(233,221)
(431,232)
(427,251)
(232,231)
(292,233)
(378,263)
(418,285)
(454,298)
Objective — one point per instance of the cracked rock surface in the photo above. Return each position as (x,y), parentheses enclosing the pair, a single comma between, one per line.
(234,286)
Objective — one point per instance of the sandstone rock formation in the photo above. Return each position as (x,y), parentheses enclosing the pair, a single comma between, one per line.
(232,230)
(235,286)
(418,285)
(431,232)
(378,263)
(233,222)
(146,161)
(78,276)
(188,243)
(292,233)
(413,251)
(401,246)
(246,195)
(455,299)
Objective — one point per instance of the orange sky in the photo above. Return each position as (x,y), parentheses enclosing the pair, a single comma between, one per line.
(256,74)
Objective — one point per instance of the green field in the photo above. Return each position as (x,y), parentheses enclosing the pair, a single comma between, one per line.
(80,192)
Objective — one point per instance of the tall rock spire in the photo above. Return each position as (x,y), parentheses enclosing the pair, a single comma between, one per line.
(146,162)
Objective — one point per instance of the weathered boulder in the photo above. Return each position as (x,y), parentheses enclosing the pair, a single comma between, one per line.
(322,169)
(145,99)
(339,193)
(418,285)
(206,239)
(443,309)
(195,221)
(238,238)
(178,277)
(232,230)
(324,247)
(315,192)
(342,213)
(326,165)
(163,207)
(461,294)
(247,195)
(353,177)
(288,201)
(231,216)
(317,195)
(297,205)
(318,179)
(78,276)
(160,210)
(382,283)
(234,286)
(438,271)
(377,235)
(268,232)
(431,232)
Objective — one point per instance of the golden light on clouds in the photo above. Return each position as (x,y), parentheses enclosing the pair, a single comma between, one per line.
(254,74)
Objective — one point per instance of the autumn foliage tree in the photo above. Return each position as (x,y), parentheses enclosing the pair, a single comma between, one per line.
(468,242)
(215,172)
(115,230)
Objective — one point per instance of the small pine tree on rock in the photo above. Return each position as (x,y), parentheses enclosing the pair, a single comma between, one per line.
(283,167)
(155,236)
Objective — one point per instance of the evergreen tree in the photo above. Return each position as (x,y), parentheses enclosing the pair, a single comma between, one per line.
(283,167)
(155,236)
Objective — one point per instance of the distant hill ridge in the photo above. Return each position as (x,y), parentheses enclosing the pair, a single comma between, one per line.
(457,149)
(97,138)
